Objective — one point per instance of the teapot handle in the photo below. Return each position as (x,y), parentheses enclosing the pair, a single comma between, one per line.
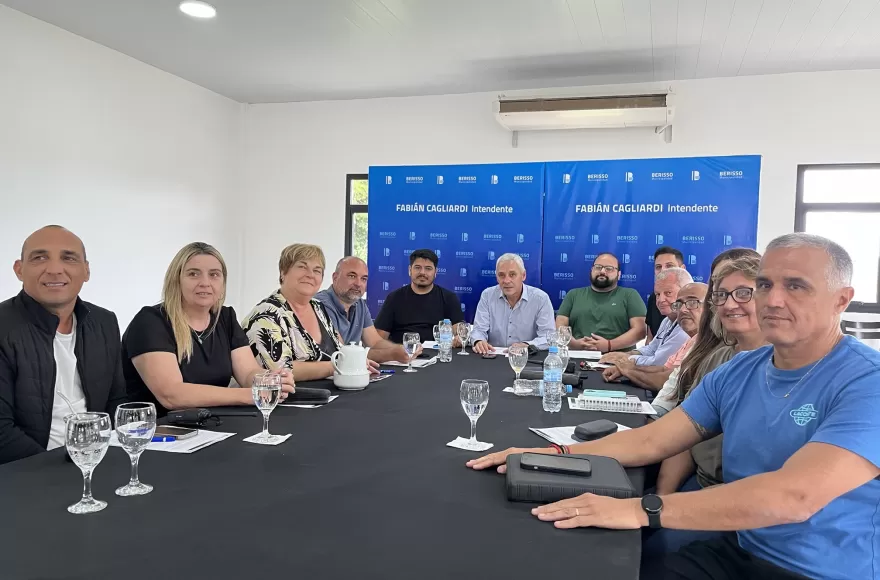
(333,358)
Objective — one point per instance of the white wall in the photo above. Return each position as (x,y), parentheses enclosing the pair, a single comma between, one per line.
(136,161)
(298,154)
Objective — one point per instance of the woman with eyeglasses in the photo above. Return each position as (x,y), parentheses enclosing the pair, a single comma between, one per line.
(729,326)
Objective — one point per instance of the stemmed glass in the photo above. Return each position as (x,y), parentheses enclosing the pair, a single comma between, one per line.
(463,329)
(564,333)
(411,342)
(562,351)
(552,337)
(517,356)
(135,426)
(437,334)
(266,391)
(474,399)
(87,437)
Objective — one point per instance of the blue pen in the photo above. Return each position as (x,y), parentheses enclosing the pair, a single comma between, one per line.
(387,372)
(165,439)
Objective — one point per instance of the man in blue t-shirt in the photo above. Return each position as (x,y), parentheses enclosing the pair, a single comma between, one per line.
(801,452)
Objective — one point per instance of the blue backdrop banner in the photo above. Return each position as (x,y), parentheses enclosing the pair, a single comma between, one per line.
(700,205)
(468,214)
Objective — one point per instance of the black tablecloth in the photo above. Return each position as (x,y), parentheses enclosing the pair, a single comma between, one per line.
(365,488)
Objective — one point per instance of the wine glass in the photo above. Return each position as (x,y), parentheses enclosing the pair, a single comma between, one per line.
(411,342)
(517,356)
(463,329)
(562,351)
(266,391)
(437,334)
(474,398)
(564,333)
(135,426)
(87,437)
(552,337)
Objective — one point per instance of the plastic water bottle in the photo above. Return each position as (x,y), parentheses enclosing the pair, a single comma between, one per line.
(553,387)
(446,341)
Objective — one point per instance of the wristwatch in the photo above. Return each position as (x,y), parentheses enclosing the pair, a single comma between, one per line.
(653,506)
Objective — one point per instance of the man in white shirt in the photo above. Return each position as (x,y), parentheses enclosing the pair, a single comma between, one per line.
(53,347)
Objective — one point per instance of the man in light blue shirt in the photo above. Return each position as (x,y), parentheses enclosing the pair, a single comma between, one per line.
(669,338)
(801,452)
(351,316)
(512,312)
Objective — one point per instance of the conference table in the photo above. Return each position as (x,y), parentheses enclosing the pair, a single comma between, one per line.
(365,487)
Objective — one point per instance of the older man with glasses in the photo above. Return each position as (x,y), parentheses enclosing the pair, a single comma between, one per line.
(670,336)
(688,308)
(603,316)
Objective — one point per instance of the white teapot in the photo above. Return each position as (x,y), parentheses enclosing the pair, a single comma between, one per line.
(350,370)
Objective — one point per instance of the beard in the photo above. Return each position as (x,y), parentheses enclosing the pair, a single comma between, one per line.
(602,281)
(351,296)
(423,282)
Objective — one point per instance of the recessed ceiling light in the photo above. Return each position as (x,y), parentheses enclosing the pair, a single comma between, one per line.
(197,9)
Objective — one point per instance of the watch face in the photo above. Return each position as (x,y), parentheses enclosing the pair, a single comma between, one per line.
(652,503)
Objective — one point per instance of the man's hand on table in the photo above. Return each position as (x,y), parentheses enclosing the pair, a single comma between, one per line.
(499,458)
(594,511)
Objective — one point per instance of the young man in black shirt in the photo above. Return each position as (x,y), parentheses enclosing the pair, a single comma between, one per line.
(420,305)
(664,258)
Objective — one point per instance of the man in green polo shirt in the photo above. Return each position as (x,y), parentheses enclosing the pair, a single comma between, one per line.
(603,316)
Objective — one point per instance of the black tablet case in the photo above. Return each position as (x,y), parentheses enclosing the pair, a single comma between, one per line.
(608,478)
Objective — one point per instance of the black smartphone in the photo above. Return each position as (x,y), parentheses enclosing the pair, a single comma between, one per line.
(490,355)
(179,432)
(556,464)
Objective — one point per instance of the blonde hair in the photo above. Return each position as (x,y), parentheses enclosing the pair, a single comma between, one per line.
(748,267)
(299,253)
(172,296)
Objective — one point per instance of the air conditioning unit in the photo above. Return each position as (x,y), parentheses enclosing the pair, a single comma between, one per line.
(541,114)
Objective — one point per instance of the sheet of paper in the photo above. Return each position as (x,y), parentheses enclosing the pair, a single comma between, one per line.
(462,443)
(499,350)
(431,344)
(585,354)
(417,363)
(200,441)
(564,435)
(276,439)
(308,406)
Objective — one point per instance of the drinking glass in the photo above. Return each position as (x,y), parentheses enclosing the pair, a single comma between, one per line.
(87,438)
(437,334)
(411,342)
(474,398)
(463,329)
(564,333)
(562,351)
(266,391)
(552,337)
(135,426)
(518,356)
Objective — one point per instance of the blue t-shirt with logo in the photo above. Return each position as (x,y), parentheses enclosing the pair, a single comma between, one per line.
(838,404)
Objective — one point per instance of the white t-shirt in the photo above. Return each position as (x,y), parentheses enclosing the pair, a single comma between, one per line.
(67,383)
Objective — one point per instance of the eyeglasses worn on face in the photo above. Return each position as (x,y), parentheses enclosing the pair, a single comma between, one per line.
(692,304)
(739,295)
(607,269)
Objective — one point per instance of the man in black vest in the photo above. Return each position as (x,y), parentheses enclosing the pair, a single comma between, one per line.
(58,354)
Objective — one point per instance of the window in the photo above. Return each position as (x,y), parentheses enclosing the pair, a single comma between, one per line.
(842,203)
(356,198)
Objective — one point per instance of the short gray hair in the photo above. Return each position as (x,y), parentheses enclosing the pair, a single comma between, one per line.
(682,276)
(511,258)
(839,271)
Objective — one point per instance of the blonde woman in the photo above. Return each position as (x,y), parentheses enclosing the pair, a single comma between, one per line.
(184,351)
(291,329)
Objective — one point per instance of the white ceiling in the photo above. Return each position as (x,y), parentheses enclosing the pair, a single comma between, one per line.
(296,50)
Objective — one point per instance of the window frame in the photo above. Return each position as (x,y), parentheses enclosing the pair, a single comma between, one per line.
(802,208)
(352,209)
